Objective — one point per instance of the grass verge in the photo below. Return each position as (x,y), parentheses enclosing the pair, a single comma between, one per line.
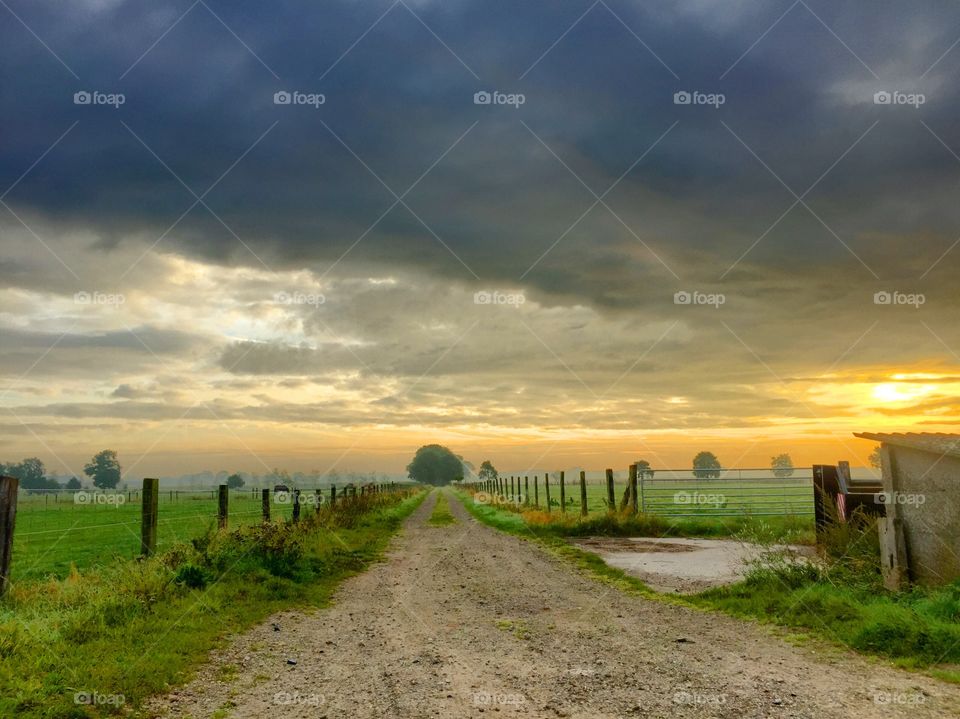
(784,529)
(119,634)
(841,599)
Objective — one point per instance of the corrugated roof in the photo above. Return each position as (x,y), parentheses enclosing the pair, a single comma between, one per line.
(934,442)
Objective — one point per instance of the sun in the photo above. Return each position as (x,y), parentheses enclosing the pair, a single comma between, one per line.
(901,392)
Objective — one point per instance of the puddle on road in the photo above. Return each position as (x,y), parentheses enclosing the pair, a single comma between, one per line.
(681,565)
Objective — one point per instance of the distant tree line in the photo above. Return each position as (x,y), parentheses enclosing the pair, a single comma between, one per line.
(103,469)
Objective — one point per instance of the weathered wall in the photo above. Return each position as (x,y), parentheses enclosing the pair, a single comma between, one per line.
(926,488)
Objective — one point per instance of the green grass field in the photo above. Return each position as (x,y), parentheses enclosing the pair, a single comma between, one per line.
(683,497)
(54,532)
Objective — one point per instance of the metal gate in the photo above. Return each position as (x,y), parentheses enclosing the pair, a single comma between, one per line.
(727,492)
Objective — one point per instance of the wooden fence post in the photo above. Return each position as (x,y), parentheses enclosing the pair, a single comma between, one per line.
(319,499)
(8,516)
(148,516)
(333,494)
(563,493)
(265,504)
(296,505)
(633,488)
(583,493)
(536,493)
(611,493)
(223,494)
(546,488)
(526,491)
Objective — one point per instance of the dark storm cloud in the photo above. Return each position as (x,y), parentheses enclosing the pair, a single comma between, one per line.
(500,199)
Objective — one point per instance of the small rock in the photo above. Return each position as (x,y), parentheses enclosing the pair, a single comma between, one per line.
(292,662)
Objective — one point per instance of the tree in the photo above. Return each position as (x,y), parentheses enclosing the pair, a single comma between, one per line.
(643,470)
(31,473)
(74,483)
(706,465)
(487,471)
(874,458)
(436,465)
(104,469)
(782,465)
(235,481)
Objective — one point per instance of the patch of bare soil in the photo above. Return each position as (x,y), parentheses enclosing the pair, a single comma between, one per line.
(620,544)
(464,621)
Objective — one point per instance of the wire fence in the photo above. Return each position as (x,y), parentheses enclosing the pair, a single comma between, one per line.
(59,530)
(702,493)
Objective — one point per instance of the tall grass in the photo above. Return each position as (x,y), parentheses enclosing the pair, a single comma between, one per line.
(792,529)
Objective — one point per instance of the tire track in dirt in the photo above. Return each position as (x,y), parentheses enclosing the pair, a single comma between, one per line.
(465,621)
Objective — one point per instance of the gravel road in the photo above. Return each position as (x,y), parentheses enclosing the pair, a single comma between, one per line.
(464,621)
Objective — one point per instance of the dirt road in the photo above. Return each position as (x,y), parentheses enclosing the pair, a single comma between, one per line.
(464,621)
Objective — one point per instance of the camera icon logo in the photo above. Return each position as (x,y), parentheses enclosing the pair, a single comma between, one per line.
(482,298)
(882,298)
(882,98)
(482,98)
(682,98)
(282,98)
(82,98)
(682,298)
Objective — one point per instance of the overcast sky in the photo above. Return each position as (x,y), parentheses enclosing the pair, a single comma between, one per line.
(203,276)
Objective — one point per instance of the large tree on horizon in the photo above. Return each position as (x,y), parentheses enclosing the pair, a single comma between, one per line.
(104,469)
(436,465)
(706,465)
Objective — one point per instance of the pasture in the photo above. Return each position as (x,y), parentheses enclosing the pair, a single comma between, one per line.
(55,532)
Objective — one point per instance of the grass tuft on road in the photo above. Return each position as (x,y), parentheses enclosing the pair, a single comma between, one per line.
(441,516)
(157,619)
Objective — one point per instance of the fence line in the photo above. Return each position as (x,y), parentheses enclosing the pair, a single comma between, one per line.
(151,518)
(720,492)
